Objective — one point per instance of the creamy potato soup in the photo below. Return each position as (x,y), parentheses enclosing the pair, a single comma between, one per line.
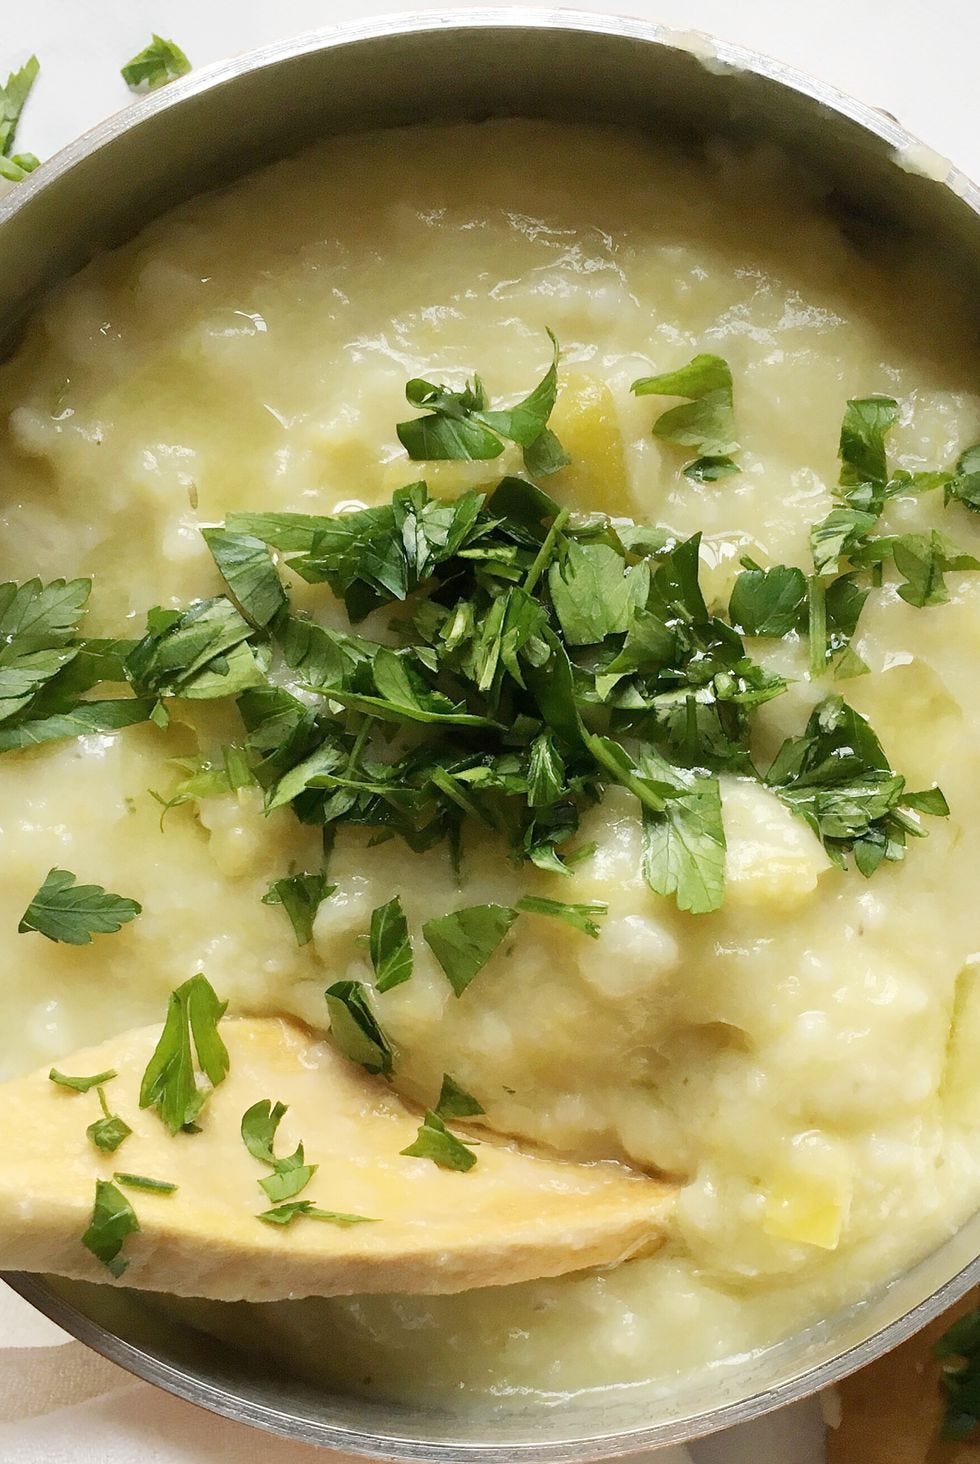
(800,1060)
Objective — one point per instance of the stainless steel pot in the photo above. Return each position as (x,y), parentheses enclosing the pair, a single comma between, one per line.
(210,128)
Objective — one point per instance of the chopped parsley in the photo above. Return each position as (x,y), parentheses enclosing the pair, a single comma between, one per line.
(249,572)
(837,778)
(81,1085)
(460,425)
(463,942)
(79,719)
(159,62)
(390,945)
(356,1029)
(530,657)
(13,97)
(455,1102)
(300,895)
(113,1219)
(863,453)
(705,422)
(200,653)
(109,1131)
(959,1350)
(582,916)
(172,1083)
(37,638)
(73,913)
(435,1142)
(286,1214)
(142,1182)
(921,560)
(290,1173)
(768,602)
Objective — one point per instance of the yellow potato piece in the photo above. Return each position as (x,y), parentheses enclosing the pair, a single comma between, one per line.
(514,1216)
(809,1210)
(587,425)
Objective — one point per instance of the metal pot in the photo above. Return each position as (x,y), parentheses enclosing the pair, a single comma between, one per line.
(217,124)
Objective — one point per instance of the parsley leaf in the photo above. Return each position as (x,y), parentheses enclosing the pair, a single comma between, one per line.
(435,1142)
(200,652)
(291,1173)
(963,485)
(84,718)
(455,1102)
(113,1219)
(247,569)
(460,426)
(141,1182)
(583,916)
(840,534)
(300,895)
(36,624)
(683,831)
(81,1085)
(684,847)
(922,559)
(13,97)
(390,945)
(837,778)
(706,422)
(108,1132)
(546,772)
(768,602)
(159,62)
(592,591)
(864,461)
(170,1083)
(286,1214)
(843,602)
(959,1349)
(356,1029)
(38,617)
(452,430)
(73,913)
(464,941)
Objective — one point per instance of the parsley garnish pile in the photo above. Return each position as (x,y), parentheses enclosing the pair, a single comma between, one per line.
(518,659)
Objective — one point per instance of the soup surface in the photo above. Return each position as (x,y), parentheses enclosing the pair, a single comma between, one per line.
(803,1060)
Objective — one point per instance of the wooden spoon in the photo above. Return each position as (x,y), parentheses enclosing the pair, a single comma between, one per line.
(514,1216)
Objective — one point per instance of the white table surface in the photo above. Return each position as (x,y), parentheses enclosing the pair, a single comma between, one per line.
(915,58)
